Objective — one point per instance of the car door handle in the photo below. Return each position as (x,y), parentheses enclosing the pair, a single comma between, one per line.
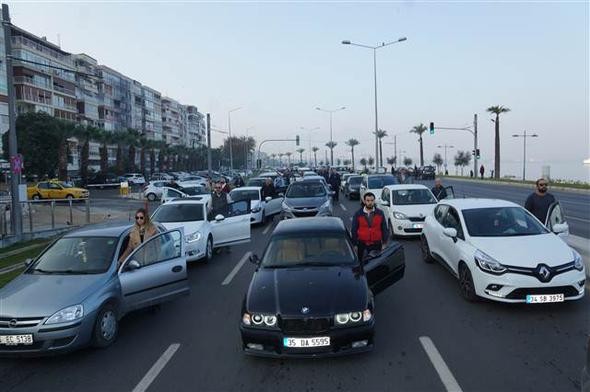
(177,268)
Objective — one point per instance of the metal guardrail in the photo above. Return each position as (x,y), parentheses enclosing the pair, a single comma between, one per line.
(45,213)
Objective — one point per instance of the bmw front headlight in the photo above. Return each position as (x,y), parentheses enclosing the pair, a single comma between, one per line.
(352,318)
(193,237)
(399,215)
(578,263)
(259,320)
(488,264)
(71,313)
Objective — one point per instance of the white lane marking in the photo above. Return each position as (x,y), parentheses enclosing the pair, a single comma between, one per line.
(151,375)
(233,272)
(439,365)
(267,228)
(343,207)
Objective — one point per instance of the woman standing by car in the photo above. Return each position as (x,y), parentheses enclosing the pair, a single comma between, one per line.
(141,232)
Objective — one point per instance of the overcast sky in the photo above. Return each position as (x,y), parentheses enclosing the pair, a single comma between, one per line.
(278,61)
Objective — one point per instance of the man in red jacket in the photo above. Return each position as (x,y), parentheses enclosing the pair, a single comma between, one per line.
(369,227)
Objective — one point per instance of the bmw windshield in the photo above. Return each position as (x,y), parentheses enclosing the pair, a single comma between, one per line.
(316,250)
(77,255)
(189,212)
(501,222)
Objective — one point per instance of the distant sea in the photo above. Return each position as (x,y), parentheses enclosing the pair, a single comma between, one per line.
(563,170)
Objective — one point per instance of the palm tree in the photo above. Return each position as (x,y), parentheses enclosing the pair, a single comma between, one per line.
(419,130)
(407,161)
(105,139)
(351,143)
(391,161)
(132,140)
(274,157)
(288,154)
(371,161)
(497,110)
(331,146)
(281,155)
(363,162)
(143,143)
(84,136)
(300,151)
(438,161)
(315,157)
(380,133)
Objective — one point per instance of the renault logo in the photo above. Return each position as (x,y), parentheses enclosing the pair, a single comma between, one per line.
(13,323)
(544,273)
(305,310)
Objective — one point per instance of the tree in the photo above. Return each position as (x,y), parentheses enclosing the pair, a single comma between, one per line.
(419,130)
(497,110)
(106,138)
(371,161)
(274,157)
(85,135)
(315,158)
(331,146)
(301,151)
(321,163)
(363,162)
(462,159)
(380,133)
(392,161)
(438,161)
(346,162)
(351,143)
(408,161)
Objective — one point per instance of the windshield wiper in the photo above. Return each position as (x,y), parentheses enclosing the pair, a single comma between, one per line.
(71,272)
(42,271)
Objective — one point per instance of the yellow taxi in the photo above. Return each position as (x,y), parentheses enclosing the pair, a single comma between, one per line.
(55,190)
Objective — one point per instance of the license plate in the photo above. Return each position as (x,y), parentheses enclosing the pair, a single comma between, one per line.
(306,342)
(13,340)
(543,299)
(418,225)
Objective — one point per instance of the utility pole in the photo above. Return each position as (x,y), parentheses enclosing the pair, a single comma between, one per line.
(445,147)
(209,146)
(524,135)
(475,144)
(16,223)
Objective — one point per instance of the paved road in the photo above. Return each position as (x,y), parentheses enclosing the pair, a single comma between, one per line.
(486,346)
(575,205)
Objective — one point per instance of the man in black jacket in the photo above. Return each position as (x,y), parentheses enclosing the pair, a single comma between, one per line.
(334,181)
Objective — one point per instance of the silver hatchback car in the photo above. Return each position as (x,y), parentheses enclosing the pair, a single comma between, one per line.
(75,292)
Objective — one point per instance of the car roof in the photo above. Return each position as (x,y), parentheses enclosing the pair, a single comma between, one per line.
(247,188)
(307,225)
(379,175)
(470,203)
(100,230)
(405,186)
(200,199)
(313,178)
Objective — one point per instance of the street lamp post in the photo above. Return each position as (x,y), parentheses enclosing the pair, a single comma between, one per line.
(445,147)
(331,139)
(231,157)
(524,135)
(310,130)
(374,48)
(247,149)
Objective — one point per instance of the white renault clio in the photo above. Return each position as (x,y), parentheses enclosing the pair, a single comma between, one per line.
(500,251)
(406,207)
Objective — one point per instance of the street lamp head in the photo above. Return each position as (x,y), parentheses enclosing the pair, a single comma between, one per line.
(343,107)
(402,39)
(515,135)
(534,135)
(317,108)
(346,42)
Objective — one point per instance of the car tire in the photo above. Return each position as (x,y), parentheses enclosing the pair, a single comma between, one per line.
(208,250)
(263,219)
(151,196)
(36,196)
(106,327)
(466,283)
(392,233)
(69,197)
(426,255)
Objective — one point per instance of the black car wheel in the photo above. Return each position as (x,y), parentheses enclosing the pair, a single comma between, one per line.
(466,283)
(209,250)
(263,220)
(426,255)
(106,327)
(36,197)
(151,197)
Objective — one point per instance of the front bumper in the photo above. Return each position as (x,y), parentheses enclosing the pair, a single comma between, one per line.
(256,217)
(516,287)
(195,250)
(341,340)
(407,228)
(291,214)
(51,339)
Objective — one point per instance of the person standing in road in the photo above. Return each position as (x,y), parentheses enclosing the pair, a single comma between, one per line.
(369,227)
(239,181)
(268,189)
(219,201)
(334,182)
(538,202)
(438,190)
(225,188)
(142,230)
(482,170)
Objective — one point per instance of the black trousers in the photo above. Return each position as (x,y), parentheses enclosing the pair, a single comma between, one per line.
(363,250)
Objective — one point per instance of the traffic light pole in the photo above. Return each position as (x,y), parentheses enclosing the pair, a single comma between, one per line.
(471,131)
(296,140)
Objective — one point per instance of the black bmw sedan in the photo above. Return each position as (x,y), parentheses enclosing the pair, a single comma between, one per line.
(310,295)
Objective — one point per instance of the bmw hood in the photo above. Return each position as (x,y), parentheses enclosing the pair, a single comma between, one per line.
(39,295)
(415,210)
(526,251)
(309,202)
(324,290)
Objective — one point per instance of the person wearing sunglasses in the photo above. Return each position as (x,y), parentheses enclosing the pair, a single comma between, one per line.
(538,202)
(142,230)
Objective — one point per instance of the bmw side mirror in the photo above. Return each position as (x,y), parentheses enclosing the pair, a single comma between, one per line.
(219,218)
(559,228)
(254,259)
(133,265)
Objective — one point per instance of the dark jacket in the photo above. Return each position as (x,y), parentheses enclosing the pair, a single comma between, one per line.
(334,181)
(268,190)
(367,233)
(439,193)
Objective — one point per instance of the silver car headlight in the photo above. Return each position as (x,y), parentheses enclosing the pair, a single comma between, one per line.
(71,313)
(193,237)
(256,209)
(325,206)
(488,264)
(399,215)
(578,263)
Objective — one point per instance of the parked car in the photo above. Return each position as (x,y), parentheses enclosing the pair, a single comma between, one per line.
(153,190)
(307,198)
(374,183)
(134,178)
(406,207)
(169,194)
(75,292)
(262,209)
(499,251)
(161,177)
(427,172)
(353,186)
(101,181)
(310,296)
(202,232)
(55,190)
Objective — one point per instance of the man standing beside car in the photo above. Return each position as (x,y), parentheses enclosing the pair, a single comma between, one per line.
(334,182)
(538,202)
(438,190)
(369,227)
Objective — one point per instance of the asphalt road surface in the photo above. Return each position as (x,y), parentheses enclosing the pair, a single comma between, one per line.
(194,343)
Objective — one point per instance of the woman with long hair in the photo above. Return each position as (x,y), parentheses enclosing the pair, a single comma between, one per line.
(142,230)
